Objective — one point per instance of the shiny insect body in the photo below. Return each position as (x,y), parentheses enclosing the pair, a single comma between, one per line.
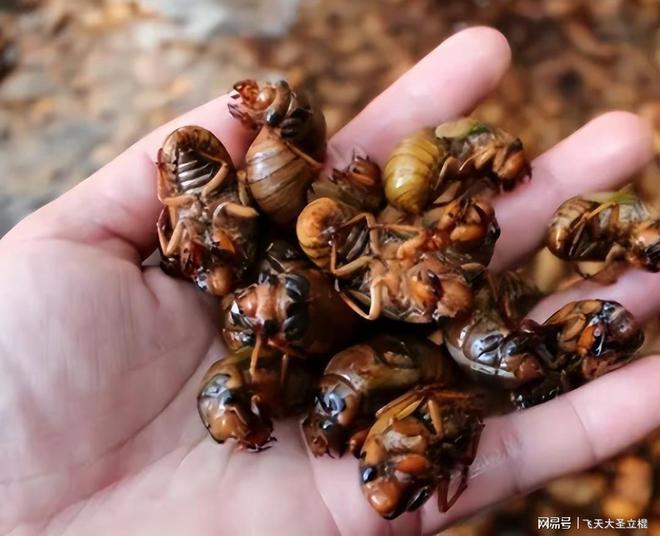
(286,155)
(382,268)
(359,380)
(463,156)
(607,227)
(236,404)
(206,230)
(415,445)
(475,340)
(358,185)
(291,307)
(582,341)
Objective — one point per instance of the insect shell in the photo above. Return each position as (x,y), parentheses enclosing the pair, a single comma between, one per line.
(464,229)
(358,185)
(206,230)
(415,445)
(286,155)
(582,341)
(464,155)
(292,308)
(606,227)
(382,268)
(359,380)
(238,405)
(412,173)
(478,150)
(475,340)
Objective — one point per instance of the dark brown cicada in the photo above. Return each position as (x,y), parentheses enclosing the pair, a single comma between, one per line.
(433,167)
(358,185)
(582,341)
(361,379)
(286,155)
(206,232)
(237,404)
(384,269)
(606,227)
(474,340)
(291,307)
(415,445)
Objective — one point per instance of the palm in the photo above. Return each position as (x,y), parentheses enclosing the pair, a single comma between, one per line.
(100,359)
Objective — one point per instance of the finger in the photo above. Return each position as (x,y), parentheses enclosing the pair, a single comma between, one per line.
(448,82)
(637,291)
(117,206)
(601,155)
(521,451)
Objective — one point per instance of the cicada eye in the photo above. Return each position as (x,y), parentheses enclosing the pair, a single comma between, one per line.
(267,278)
(368,474)
(335,402)
(297,287)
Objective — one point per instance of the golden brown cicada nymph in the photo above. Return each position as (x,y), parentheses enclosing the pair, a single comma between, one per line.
(206,232)
(287,154)
(359,380)
(579,343)
(606,227)
(462,156)
(475,340)
(358,185)
(415,445)
(237,404)
(384,269)
(291,307)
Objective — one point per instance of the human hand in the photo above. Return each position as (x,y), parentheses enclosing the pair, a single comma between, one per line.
(101,359)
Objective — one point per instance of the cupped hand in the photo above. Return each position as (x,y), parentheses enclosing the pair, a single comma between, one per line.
(101,359)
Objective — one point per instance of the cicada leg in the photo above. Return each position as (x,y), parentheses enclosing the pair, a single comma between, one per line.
(254,357)
(171,246)
(375,302)
(410,245)
(217,181)
(235,209)
(444,503)
(314,164)
(361,261)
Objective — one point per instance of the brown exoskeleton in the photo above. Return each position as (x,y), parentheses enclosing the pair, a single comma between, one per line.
(387,268)
(237,404)
(291,307)
(474,340)
(359,380)
(415,445)
(433,167)
(582,341)
(607,227)
(286,155)
(206,230)
(358,185)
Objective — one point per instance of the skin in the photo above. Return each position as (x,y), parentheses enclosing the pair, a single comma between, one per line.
(100,359)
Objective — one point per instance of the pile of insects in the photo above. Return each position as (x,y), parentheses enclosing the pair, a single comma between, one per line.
(361,298)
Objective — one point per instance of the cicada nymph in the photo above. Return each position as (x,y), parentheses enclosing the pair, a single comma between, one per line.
(606,227)
(358,185)
(207,232)
(417,442)
(384,269)
(460,157)
(288,151)
(361,379)
(291,307)
(474,340)
(237,404)
(581,342)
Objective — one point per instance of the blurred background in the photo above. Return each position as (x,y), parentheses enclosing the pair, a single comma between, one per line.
(81,80)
